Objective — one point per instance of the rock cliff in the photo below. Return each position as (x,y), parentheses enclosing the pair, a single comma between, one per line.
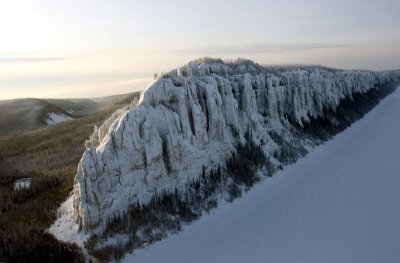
(195,116)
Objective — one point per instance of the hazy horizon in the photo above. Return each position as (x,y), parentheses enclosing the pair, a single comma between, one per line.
(87,49)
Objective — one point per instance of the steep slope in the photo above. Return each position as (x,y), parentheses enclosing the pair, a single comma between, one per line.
(339,204)
(196,116)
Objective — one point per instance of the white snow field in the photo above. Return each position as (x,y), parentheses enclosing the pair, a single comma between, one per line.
(57,118)
(339,204)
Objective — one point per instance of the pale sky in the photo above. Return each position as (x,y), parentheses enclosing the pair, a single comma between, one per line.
(90,48)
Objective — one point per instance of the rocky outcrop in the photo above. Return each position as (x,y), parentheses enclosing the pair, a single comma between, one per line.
(194,116)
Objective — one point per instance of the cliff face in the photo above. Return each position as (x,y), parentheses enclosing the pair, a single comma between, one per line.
(195,116)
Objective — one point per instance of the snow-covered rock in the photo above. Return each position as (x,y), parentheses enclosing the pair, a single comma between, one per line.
(194,116)
(22,183)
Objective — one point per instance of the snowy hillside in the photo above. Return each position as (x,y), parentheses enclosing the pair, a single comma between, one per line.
(339,204)
(202,134)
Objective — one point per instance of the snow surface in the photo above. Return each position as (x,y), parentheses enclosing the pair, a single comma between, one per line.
(23,183)
(339,204)
(54,118)
(65,228)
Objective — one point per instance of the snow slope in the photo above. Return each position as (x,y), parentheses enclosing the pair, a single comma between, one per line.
(65,228)
(339,204)
(54,118)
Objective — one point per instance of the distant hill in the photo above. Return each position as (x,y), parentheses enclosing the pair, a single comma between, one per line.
(76,107)
(32,113)
(27,114)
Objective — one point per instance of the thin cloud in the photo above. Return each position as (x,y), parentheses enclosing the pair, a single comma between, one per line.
(31,59)
(258,48)
(133,81)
